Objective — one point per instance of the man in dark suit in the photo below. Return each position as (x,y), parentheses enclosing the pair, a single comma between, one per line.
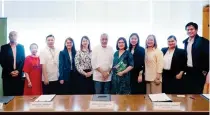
(197,49)
(12,60)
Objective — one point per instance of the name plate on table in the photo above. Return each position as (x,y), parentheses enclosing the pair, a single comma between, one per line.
(41,105)
(167,106)
(1,106)
(180,95)
(101,105)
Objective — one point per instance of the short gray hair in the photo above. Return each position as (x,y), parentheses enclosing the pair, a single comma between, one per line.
(11,33)
(104,34)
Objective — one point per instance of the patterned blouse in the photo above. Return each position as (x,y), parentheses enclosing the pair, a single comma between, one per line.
(83,61)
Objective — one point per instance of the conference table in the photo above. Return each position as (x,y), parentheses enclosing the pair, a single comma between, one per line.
(123,103)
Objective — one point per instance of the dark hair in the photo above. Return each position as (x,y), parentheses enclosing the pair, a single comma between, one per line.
(33,44)
(172,36)
(89,48)
(130,45)
(192,24)
(73,50)
(155,41)
(122,38)
(50,36)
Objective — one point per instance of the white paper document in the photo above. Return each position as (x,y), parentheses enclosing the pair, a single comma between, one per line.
(172,106)
(161,97)
(45,98)
(206,96)
(1,106)
(101,105)
(41,105)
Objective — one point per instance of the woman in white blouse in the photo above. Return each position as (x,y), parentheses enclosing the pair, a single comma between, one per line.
(173,69)
(153,66)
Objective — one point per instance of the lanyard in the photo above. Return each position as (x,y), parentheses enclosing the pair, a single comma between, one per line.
(53,55)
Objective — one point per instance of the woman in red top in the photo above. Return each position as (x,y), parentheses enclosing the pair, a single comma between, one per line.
(33,73)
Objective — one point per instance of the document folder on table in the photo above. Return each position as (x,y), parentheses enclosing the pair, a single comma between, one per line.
(206,96)
(101,97)
(6,99)
(161,97)
(45,98)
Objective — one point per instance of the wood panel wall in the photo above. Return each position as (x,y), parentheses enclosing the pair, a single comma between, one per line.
(206,22)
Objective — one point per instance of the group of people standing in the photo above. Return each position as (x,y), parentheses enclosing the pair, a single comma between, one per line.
(132,69)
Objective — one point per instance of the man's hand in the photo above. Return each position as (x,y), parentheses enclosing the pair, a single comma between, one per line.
(105,75)
(14,73)
(46,81)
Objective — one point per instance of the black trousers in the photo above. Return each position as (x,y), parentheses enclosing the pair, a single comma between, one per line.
(194,81)
(84,85)
(51,88)
(68,88)
(170,84)
(13,86)
(64,89)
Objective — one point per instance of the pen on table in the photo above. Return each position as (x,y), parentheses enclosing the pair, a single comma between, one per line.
(33,98)
(192,97)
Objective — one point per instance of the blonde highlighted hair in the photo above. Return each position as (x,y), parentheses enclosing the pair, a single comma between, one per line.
(155,41)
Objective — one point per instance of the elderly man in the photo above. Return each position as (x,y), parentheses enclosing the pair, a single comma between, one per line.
(102,57)
(12,60)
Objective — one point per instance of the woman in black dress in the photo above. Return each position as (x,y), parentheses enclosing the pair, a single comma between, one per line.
(137,81)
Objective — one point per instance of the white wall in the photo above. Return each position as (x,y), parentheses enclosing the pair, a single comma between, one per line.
(1,9)
(34,20)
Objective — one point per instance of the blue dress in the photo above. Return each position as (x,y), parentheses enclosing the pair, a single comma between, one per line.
(121,84)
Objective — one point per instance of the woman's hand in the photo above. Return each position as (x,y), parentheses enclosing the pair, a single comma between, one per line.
(139,78)
(120,74)
(29,84)
(157,79)
(158,76)
(88,74)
